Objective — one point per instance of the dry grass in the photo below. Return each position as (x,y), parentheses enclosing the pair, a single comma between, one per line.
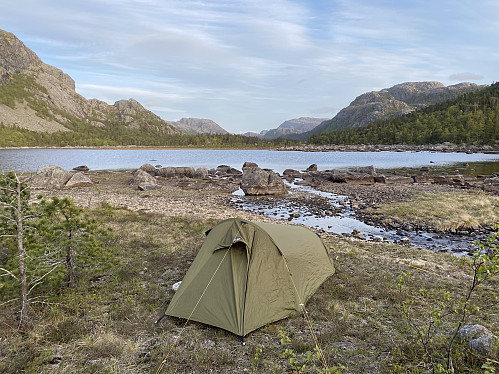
(106,325)
(444,211)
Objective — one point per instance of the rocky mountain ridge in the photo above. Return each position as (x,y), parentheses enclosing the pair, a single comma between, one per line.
(43,98)
(394,101)
(195,126)
(295,126)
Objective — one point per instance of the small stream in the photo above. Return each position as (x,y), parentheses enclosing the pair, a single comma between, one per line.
(333,213)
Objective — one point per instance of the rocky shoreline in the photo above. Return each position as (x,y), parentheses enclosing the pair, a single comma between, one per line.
(445,147)
(208,194)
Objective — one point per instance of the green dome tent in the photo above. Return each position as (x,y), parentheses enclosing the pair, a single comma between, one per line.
(248,274)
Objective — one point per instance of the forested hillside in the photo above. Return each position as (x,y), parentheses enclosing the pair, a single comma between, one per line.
(118,135)
(472,118)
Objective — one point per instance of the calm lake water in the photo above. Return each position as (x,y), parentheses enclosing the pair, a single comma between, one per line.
(100,159)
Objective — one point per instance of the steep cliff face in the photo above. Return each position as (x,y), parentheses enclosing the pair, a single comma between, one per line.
(394,101)
(41,97)
(196,126)
(15,57)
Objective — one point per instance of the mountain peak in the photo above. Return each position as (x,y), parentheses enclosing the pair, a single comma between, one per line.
(397,100)
(15,57)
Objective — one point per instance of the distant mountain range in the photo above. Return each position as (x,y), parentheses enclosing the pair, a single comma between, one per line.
(290,127)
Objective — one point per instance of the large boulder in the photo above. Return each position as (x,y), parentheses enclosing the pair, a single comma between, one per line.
(148,168)
(480,339)
(226,171)
(339,176)
(371,170)
(394,179)
(50,177)
(141,177)
(177,172)
(79,180)
(257,181)
(201,173)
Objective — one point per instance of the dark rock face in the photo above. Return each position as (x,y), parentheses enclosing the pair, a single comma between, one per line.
(257,181)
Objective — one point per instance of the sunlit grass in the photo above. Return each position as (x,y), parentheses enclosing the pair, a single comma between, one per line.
(444,211)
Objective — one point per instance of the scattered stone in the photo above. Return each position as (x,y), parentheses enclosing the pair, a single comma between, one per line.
(79,180)
(377,238)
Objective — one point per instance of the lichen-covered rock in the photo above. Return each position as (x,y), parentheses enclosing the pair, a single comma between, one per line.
(141,177)
(480,339)
(257,181)
(50,177)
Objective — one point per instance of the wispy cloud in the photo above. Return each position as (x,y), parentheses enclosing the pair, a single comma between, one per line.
(256,63)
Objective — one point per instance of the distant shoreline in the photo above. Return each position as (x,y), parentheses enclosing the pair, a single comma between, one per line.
(312,148)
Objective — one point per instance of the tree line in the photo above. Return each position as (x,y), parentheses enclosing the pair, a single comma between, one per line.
(472,118)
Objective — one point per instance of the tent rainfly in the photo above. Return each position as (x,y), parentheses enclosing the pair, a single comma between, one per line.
(249,274)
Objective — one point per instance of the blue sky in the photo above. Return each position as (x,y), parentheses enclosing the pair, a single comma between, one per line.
(252,64)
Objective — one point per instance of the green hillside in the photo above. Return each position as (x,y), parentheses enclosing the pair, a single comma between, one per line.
(472,118)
